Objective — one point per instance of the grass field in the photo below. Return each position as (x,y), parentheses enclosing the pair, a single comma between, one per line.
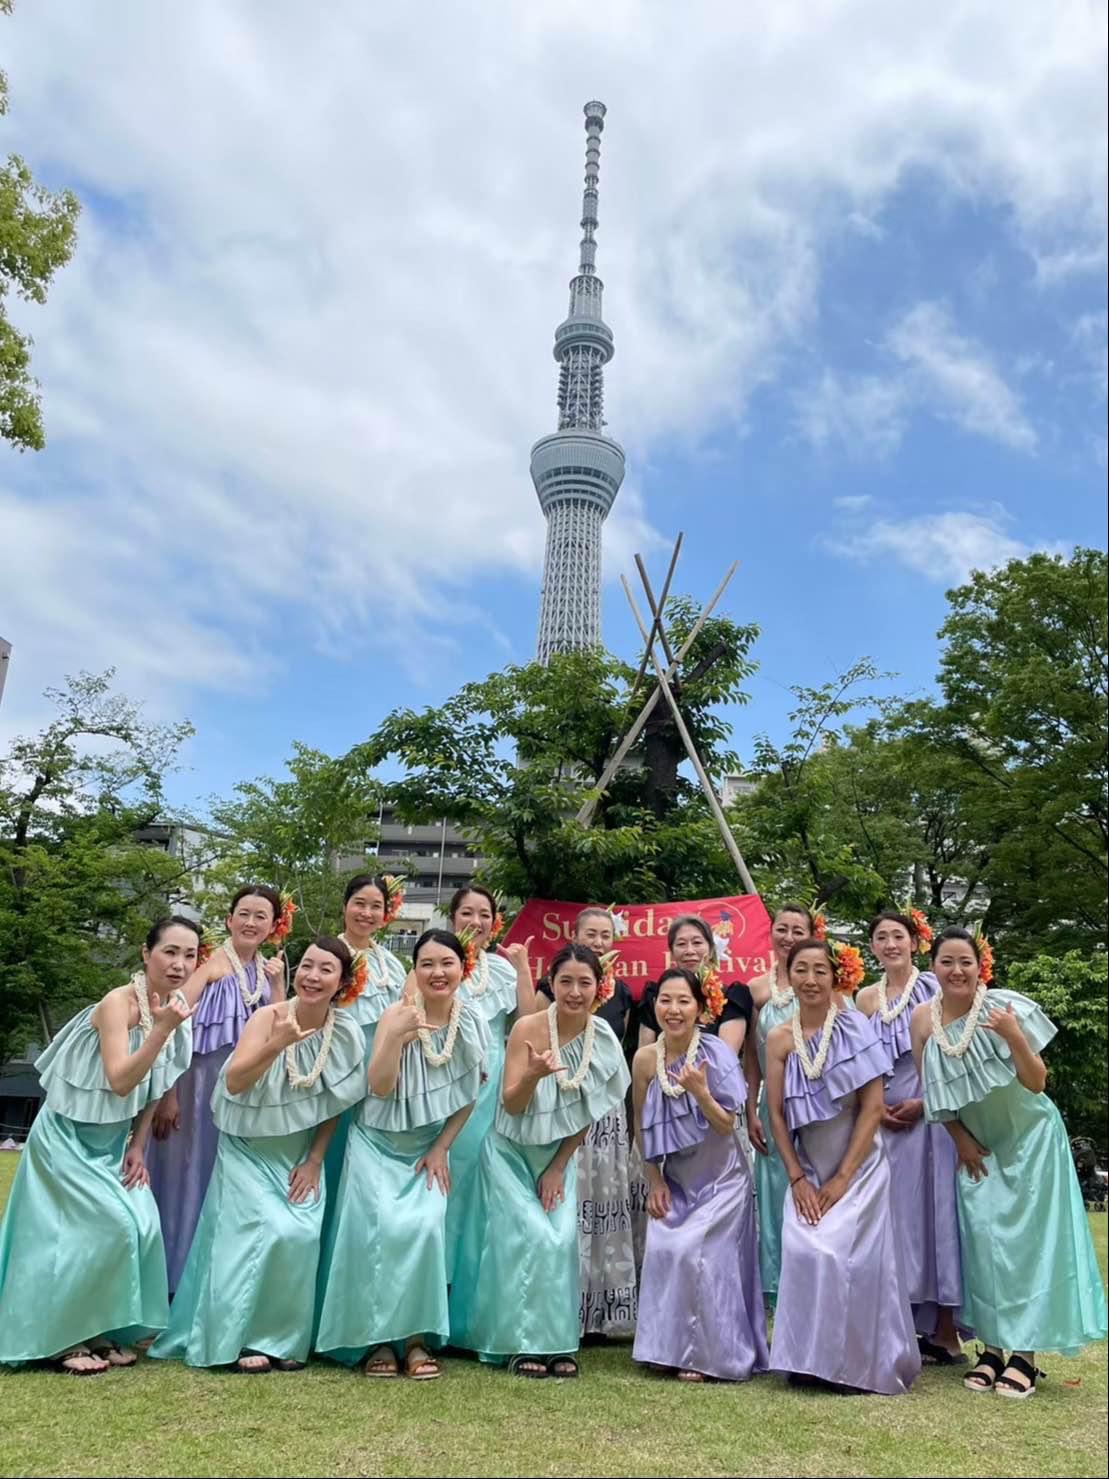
(161,1419)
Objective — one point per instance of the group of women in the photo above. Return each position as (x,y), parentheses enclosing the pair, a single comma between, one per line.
(391,1162)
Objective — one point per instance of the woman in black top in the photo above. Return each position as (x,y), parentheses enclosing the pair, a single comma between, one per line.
(608,1268)
(692,947)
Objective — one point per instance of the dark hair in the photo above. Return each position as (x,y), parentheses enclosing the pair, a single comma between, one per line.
(469,888)
(335,947)
(678,973)
(595,911)
(956,932)
(263,891)
(439,937)
(811,944)
(580,953)
(159,927)
(893,916)
(694,921)
(806,914)
(366,880)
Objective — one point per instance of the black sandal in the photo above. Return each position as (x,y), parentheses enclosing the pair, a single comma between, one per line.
(564,1368)
(1005,1386)
(531,1366)
(984,1362)
(938,1355)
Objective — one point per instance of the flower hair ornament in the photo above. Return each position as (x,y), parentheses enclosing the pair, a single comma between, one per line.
(924,933)
(819,925)
(848,966)
(360,975)
(607,985)
(284,922)
(394,898)
(985,955)
(496,929)
(467,938)
(708,973)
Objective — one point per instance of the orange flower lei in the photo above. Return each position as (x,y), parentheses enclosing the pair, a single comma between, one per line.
(850,969)
(468,940)
(497,928)
(394,899)
(708,974)
(819,927)
(985,957)
(607,985)
(284,921)
(360,976)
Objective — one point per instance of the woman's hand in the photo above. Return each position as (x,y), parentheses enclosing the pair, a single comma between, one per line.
(755,1131)
(906,1114)
(542,1065)
(694,1080)
(518,953)
(274,967)
(831,1192)
(403,1020)
(806,1198)
(167,1116)
(133,1172)
(304,1181)
(287,1031)
(436,1167)
(168,1018)
(658,1200)
(552,1188)
(1006,1024)
(972,1156)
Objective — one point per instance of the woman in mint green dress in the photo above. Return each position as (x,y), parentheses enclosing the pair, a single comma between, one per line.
(1030,1278)
(515,1296)
(247,1295)
(384,1272)
(501,990)
(82,1264)
(774,1004)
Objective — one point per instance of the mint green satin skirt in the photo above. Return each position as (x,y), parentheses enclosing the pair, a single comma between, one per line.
(771,1186)
(383,1275)
(249,1282)
(466,1150)
(80,1257)
(516,1286)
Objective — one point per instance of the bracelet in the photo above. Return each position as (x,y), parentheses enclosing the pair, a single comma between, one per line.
(796,1179)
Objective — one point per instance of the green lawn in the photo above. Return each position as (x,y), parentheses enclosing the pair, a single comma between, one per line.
(164,1419)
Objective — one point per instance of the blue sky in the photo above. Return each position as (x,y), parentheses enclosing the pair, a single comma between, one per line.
(854,261)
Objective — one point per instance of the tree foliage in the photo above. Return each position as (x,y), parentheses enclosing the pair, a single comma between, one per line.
(38,231)
(1074,992)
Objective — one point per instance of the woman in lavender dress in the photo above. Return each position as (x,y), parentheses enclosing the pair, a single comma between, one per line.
(183,1151)
(843,1316)
(701,1310)
(922,1157)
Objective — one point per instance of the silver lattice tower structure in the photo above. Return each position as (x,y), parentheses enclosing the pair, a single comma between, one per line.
(577,471)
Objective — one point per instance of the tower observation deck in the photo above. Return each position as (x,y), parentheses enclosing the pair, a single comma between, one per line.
(577,470)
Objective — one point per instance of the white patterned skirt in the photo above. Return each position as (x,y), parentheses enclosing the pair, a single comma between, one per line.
(609,1299)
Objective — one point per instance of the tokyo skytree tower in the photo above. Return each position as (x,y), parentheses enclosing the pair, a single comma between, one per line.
(577,470)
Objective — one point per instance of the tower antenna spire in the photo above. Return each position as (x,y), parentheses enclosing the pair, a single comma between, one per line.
(577,471)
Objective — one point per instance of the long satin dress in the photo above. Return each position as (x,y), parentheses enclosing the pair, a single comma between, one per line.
(383,1275)
(181,1165)
(843,1313)
(771,1181)
(80,1256)
(516,1288)
(923,1164)
(250,1278)
(491,991)
(701,1306)
(1030,1275)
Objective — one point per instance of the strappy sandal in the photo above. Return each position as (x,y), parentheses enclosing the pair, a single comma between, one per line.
(81,1353)
(424,1368)
(1005,1386)
(932,1354)
(564,1368)
(381,1365)
(987,1368)
(115,1355)
(261,1366)
(530,1366)
(288,1365)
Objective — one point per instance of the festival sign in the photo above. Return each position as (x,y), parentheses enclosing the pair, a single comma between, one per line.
(740,926)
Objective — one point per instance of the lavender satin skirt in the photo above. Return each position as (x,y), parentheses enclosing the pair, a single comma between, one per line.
(843,1312)
(923,1166)
(181,1167)
(700,1298)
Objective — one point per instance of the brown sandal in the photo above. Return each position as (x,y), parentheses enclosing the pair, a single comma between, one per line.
(424,1368)
(81,1353)
(115,1355)
(379,1365)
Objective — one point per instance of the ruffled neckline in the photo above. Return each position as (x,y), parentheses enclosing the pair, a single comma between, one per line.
(71,1071)
(950,1084)
(271,1106)
(897,1035)
(856,1055)
(673,1125)
(499,997)
(555,1113)
(426,1093)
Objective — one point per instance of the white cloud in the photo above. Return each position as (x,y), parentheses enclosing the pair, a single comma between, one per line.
(943,547)
(853,503)
(306,332)
(957,378)
(862,415)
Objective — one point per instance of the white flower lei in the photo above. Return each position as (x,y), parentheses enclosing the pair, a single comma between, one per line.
(665,1082)
(567,1084)
(434,1059)
(477,984)
(142,996)
(306,1080)
(814,1067)
(885,1011)
(778,998)
(377,971)
(957,1048)
(238,970)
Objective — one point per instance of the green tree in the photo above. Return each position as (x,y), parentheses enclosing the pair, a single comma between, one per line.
(304,834)
(38,231)
(512,758)
(1074,992)
(77,891)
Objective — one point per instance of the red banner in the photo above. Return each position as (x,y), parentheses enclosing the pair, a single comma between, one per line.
(740,927)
